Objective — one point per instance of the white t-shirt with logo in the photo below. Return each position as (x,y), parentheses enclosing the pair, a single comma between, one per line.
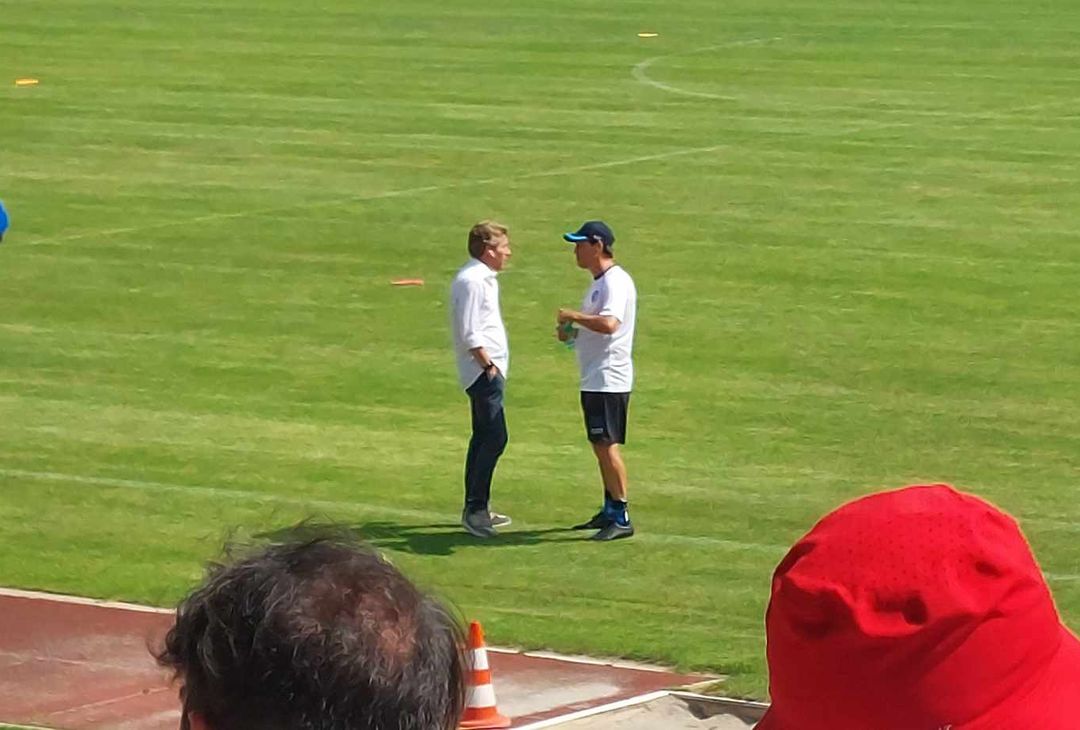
(605,360)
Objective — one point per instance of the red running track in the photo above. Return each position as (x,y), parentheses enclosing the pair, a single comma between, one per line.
(76,664)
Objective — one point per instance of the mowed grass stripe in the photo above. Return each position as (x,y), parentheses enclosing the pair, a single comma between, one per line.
(340,509)
(559,171)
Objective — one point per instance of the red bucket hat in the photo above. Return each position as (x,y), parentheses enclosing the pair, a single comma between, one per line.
(917,609)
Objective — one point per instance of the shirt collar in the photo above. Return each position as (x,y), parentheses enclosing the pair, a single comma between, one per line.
(487,271)
(600,276)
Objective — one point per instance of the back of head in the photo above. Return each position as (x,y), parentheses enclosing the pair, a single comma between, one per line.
(917,608)
(484,234)
(316,635)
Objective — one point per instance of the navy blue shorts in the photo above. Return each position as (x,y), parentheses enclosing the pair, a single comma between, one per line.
(605,416)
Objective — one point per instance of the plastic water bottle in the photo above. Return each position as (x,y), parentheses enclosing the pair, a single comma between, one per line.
(570,331)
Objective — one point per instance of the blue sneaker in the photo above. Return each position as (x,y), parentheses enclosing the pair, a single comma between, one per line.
(597,522)
(614,531)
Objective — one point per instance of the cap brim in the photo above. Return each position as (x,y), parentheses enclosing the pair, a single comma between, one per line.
(574,238)
(1053,703)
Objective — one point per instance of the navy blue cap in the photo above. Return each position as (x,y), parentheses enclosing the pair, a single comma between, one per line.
(3,220)
(594,231)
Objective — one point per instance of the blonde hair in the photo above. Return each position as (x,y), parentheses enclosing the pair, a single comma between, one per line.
(483,235)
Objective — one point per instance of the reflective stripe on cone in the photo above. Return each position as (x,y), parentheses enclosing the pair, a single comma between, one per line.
(481,712)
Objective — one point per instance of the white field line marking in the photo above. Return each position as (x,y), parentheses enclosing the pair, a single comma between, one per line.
(325,504)
(580,659)
(220,493)
(640,70)
(611,706)
(110,701)
(340,506)
(691,695)
(79,600)
(384,195)
(22,657)
(640,73)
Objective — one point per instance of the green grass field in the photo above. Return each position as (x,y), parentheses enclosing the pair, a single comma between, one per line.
(853,226)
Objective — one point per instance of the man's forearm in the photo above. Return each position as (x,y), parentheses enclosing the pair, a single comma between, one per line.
(605,325)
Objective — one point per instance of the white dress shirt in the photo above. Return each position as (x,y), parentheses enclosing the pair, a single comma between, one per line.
(475,320)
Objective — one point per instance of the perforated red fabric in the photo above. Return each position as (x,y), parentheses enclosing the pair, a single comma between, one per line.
(917,609)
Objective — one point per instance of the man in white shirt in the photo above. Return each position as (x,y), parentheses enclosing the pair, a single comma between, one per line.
(603,334)
(483,361)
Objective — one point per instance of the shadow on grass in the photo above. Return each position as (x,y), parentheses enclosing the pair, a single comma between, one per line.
(436,539)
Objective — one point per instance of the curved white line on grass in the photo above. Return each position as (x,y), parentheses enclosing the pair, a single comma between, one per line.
(405,192)
(639,71)
(349,507)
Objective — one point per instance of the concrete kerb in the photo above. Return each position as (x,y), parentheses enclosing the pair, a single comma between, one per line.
(743,707)
(610,707)
(81,601)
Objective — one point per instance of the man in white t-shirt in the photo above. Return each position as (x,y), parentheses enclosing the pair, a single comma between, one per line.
(603,334)
(483,360)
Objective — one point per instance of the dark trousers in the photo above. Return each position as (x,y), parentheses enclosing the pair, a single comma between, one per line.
(488,440)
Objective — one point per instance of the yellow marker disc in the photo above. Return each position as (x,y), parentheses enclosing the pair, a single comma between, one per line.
(26,82)
(647,35)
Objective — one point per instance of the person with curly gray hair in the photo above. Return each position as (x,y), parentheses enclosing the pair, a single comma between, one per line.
(321,634)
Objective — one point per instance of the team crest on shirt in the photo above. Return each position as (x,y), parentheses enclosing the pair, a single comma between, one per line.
(595,295)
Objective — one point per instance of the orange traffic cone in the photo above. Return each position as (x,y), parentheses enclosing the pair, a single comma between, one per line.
(480,710)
